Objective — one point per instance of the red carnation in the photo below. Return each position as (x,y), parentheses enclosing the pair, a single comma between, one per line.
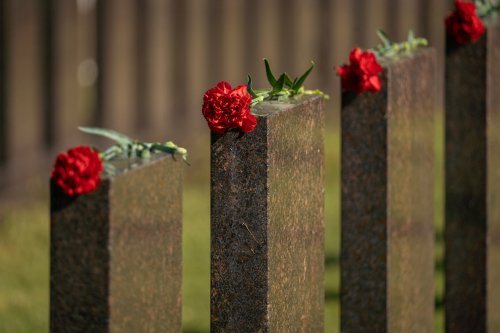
(463,23)
(77,171)
(224,108)
(361,74)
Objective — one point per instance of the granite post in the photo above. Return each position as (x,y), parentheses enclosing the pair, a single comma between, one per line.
(267,221)
(472,234)
(115,254)
(387,218)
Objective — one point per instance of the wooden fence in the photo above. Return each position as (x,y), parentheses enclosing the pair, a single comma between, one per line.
(142,66)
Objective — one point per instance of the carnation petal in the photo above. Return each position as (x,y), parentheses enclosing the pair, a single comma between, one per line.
(375,83)
(239,91)
(249,123)
(223,87)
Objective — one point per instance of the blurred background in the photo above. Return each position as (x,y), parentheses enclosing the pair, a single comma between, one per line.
(141,67)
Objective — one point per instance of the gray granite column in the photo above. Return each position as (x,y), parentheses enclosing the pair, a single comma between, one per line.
(472,234)
(267,221)
(387,247)
(116,255)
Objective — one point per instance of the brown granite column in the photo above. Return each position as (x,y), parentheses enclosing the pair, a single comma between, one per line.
(115,254)
(267,221)
(472,234)
(387,247)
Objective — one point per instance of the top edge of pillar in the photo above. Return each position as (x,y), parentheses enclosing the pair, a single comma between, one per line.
(125,165)
(270,108)
(403,56)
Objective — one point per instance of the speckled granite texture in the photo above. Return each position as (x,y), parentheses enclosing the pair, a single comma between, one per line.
(267,221)
(472,236)
(116,253)
(387,247)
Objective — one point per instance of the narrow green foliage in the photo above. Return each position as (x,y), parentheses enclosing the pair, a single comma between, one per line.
(279,85)
(299,83)
(269,73)
(388,48)
(278,91)
(288,81)
(385,39)
(249,87)
(411,37)
(110,134)
(125,146)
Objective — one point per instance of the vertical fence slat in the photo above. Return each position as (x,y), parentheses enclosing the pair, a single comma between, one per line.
(376,19)
(25,119)
(268,36)
(157,60)
(387,247)
(252,21)
(306,33)
(359,24)
(179,17)
(118,69)
(287,42)
(65,87)
(197,68)
(142,81)
(233,46)
(472,234)
(214,31)
(3,89)
(90,21)
(48,89)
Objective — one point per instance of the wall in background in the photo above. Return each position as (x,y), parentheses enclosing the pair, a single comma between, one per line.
(141,66)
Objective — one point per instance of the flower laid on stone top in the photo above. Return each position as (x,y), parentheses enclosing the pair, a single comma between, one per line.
(362,72)
(78,170)
(224,107)
(464,24)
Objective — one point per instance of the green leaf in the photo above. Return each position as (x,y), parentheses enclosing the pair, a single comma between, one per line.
(411,37)
(385,39)
(295,81)
(165,149)
(288,81)
(97,149)
(262,91)
(249,87)
(278,87)
(299,83)
(269,73)
(110,134)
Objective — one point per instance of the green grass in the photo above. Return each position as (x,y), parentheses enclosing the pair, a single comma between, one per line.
(24,251)
(24,269)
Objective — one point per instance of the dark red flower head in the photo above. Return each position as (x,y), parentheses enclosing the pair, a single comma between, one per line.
(224,108)
(361,74)
(463,24)
(77,171)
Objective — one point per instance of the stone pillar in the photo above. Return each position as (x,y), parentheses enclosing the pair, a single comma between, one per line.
(267,221)
(472,234)
(387,247)
(116,254)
